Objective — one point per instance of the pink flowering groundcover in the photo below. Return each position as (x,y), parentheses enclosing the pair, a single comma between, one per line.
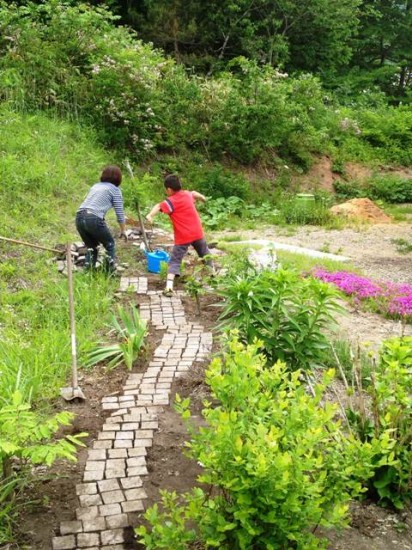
(391,299)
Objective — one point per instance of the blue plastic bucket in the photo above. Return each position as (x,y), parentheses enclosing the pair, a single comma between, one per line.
(154,259)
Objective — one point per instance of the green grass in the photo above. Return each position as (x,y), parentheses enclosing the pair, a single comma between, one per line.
(399,212)
(303,263)
(299,262)
(48,166)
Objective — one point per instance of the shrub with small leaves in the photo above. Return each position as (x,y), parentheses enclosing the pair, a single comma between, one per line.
(276,463)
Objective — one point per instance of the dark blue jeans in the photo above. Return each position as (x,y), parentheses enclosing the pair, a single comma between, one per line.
(94,231)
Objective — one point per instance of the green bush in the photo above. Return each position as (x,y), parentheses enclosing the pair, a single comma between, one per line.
(286,313)
(391,189)
(218,182)
(275,463)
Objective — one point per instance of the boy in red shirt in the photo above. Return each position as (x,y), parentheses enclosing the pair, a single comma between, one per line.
(187,227)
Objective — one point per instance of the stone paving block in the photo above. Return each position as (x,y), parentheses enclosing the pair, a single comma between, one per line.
(112,497)
(145,398)
(89,500)
(124,435)
(150,425)
(93,475)
(67,527)
(136,461)
(131,482)
(130,426)
(131,404)
(120,412)
(113,547)
(137,451)
(88,539)
(96,454)
(117,522)
(132,392)
(118,472)
(161,400)
(106,435)
(144,434)
(96,524)
(155,409)
(112,419)
(64,543)
(114,463)
(110,406)
(137,471)
(96,465)
(110,510)
(102,444)
(124,399)
(110,427)
(109,399)
(108,485)
(117,453)
(123,443)
(132,506)
(86,489)
(112,536)
(143,442)
(85,514)
(135,494)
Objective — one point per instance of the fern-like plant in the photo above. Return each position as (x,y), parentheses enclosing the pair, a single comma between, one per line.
(131,330)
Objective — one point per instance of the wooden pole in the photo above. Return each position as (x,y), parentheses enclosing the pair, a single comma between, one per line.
(14,241)
(72,319)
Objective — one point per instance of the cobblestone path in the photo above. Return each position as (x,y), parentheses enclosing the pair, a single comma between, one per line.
(112,489)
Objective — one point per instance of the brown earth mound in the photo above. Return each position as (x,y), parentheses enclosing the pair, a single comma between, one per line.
(361,209)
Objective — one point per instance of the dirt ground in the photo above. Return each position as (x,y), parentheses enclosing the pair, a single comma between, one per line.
(371,528)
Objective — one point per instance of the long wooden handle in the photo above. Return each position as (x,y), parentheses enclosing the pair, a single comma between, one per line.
(72,320)
(14,241)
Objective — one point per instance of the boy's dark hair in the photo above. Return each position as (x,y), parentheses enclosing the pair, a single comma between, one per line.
(112,174)
(173,182)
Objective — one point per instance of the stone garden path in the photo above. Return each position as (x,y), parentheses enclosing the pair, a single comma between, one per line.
(112,493)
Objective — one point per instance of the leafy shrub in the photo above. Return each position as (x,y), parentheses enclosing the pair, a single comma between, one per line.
(390,189)
(388,131)
(26,438)
(276,463)
(286,313)
(349,190)
(390,392)
(219,182)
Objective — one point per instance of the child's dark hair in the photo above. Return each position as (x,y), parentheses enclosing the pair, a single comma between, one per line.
(173,182)
(112,174)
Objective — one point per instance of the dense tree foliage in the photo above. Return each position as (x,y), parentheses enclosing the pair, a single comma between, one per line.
(350,44)
(80,63)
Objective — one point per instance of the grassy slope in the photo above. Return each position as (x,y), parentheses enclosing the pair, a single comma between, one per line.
(47,167)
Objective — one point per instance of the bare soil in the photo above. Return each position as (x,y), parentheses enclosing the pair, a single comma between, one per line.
(53,499)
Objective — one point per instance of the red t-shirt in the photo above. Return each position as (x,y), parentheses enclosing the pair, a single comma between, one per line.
(181,209)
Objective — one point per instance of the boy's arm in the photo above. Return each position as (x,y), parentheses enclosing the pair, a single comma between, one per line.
(198,196)
(155,210)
